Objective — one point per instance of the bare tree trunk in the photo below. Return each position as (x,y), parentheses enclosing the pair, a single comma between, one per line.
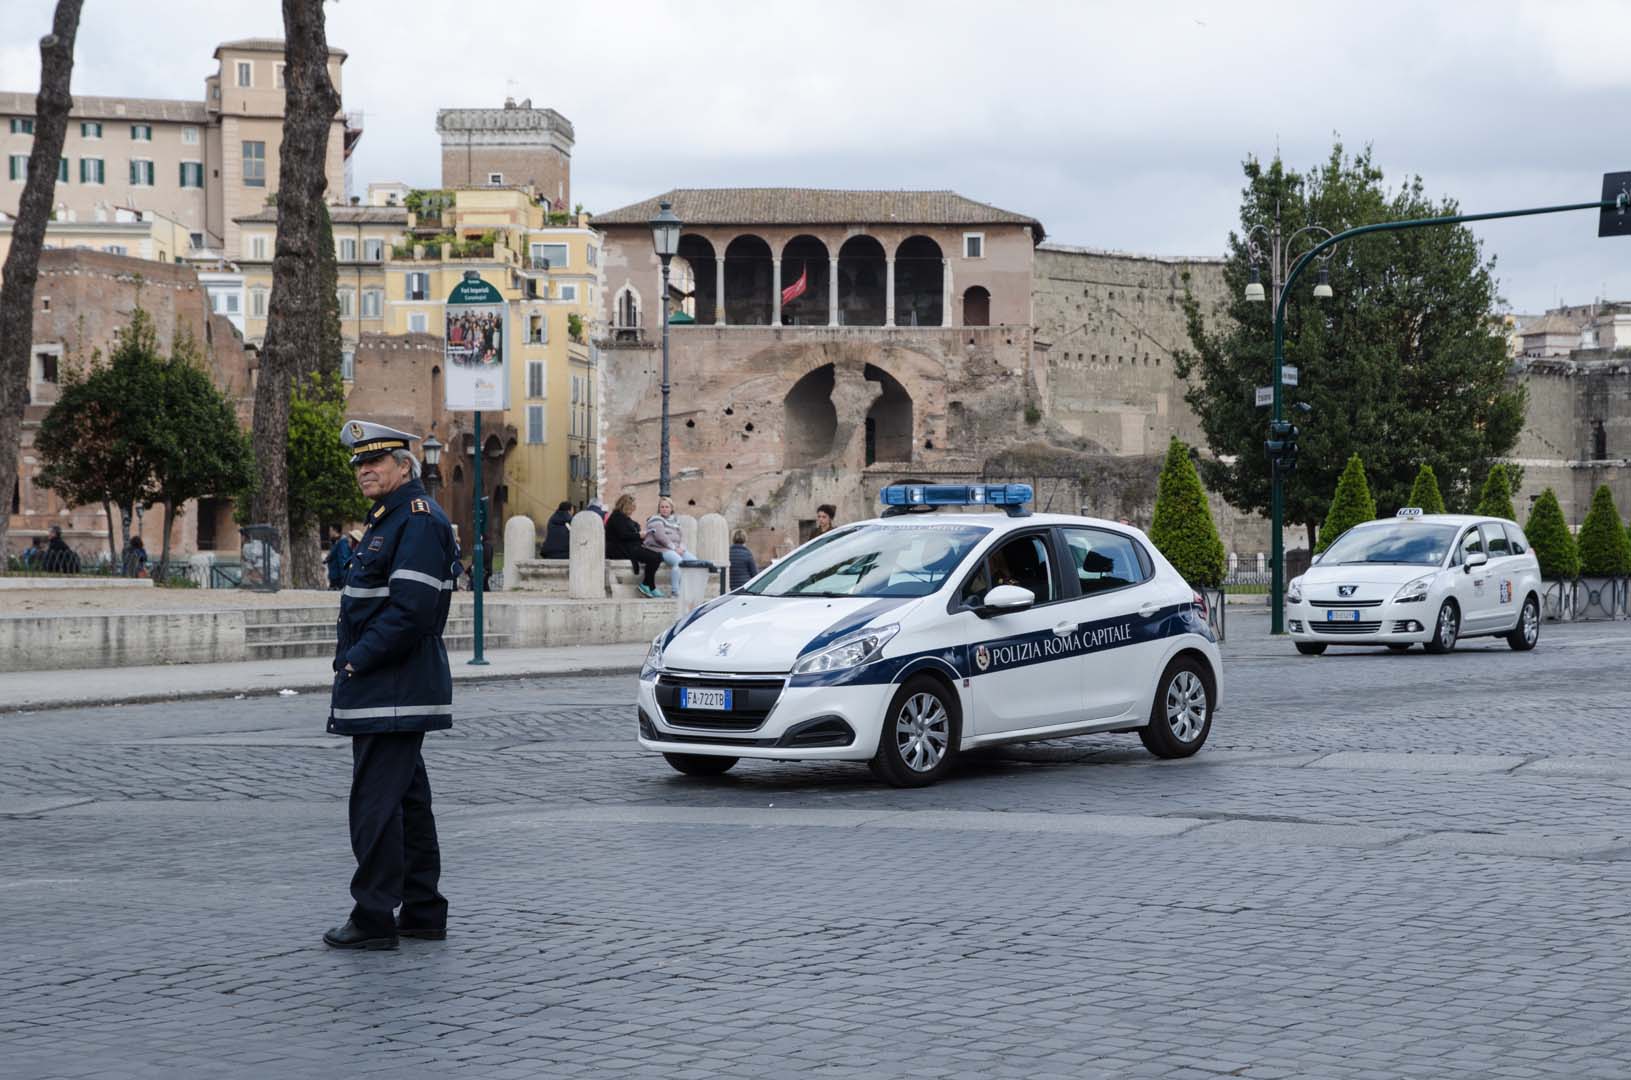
(306,560)
(115,543)
(28,234)
(294,318)
(164,548)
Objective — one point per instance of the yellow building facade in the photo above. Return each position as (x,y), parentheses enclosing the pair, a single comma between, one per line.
(396,267)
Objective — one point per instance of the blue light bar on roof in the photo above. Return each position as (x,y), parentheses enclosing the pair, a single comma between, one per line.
(901,498)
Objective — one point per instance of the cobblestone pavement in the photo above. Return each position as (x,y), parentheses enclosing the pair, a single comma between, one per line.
(1382,866)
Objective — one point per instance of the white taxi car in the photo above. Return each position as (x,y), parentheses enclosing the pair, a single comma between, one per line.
(1431,579)
(904,640)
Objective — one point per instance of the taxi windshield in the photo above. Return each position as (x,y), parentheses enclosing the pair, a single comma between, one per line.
(1393,542)
(872,560)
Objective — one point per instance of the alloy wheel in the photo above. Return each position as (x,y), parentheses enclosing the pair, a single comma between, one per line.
(922,732)
(1186,706)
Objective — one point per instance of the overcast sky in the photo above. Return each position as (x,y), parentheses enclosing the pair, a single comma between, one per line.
(1117,125)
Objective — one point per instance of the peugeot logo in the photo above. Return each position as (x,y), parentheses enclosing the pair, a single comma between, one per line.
(1346,591)
(723,649)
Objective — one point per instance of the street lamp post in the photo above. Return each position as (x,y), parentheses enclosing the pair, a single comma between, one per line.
(1276,254)
(1619,203)
(665,237)
(431,448)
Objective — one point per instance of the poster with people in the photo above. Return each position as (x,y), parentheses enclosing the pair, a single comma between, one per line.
(477,349)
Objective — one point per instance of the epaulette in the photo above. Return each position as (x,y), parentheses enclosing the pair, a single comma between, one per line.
(420,506)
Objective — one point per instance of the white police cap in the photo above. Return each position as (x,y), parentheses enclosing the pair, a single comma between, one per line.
(367,440)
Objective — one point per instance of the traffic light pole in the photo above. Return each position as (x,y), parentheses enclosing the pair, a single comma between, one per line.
(1277,494)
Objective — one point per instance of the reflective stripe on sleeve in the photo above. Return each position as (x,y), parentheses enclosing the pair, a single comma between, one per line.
(352,590)
(423,579)
(391,710)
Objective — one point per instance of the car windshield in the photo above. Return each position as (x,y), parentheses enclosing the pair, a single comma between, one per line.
(872,560)
(1412,545)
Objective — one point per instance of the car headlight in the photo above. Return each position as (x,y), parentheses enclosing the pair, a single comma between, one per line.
(1414,592)
(853,651)
(654,658)
(1294,591)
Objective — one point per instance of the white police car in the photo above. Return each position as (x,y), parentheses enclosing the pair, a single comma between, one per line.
(904,640)
(1418,578)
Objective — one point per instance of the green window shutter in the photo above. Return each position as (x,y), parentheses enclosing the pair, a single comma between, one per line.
(62,170)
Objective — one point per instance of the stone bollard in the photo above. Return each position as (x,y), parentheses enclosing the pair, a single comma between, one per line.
(587,568)
(688,532)
(520,543)
(714,539)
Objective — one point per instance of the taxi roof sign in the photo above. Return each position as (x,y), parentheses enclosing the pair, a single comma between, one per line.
(915,498)
(1409,512)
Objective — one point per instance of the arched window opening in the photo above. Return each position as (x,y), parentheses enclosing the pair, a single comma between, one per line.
(862,279)
(805,260)
(628,315)
(748,282)
(976,306)
(699,254)
(889,421)
(920,281)
(810,422)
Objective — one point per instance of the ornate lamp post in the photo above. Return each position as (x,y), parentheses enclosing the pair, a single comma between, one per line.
(431,449)
(665,238)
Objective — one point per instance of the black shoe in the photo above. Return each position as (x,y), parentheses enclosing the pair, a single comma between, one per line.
(349,937)
(423,933)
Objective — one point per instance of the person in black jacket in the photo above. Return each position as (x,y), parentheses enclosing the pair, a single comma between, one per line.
(391,685)
(558,534)
(743,568)
(623,542)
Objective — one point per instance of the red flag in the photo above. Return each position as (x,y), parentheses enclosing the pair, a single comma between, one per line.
(796,290)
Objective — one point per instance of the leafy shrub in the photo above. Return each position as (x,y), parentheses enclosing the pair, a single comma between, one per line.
(1496,498)
(1424,492)
(1550,539)
(1351,504)
(1183,529)
(1605,550)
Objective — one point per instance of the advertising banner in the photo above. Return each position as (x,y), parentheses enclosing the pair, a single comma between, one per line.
(478,340)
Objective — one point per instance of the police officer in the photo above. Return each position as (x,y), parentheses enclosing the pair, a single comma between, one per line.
(392,685)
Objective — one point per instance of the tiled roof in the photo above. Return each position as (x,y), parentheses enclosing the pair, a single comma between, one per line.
(264,44)
(85,107)
(340,215)
(818,206)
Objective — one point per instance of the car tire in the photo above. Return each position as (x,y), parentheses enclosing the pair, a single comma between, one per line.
(1446,628)
(918,743)
(701,764)
(1181,714)
(1524,636)
(1311,648)
(1398,648)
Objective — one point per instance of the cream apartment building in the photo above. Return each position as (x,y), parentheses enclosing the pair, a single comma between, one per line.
(200,163)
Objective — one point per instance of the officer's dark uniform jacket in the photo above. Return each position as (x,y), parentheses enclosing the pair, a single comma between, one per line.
(393,609)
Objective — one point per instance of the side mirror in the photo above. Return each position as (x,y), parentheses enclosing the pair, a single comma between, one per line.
(1005,600)
(1475,559)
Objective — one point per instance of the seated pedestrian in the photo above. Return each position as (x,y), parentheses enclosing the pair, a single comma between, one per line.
(598,507)
(558,534)
(663,535)
(135,561)
(623,542)
(826,517)
(743,568)
(59,557)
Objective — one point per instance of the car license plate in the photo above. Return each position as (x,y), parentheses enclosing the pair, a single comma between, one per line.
(1335,615)
(704,698)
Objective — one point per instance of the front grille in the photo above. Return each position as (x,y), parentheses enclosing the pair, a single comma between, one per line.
(1346,603)
(751,702)
(1345,627)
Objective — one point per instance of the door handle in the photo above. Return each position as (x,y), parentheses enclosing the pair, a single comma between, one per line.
(1146,610)
(1064,628)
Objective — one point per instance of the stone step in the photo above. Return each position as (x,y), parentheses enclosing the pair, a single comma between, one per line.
(289,650)
(267,633)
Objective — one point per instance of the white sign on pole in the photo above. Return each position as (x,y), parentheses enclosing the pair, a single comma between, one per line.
(1265,395)
(1288,375)
(477,335)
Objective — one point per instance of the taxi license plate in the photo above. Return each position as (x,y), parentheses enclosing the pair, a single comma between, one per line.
(1334,615)
(704,698)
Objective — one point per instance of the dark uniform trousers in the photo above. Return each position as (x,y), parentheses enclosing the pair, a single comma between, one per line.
(393,835)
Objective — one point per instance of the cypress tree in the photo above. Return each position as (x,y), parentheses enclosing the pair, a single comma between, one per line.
(1183,529)
(1496,498)
(1424,492)
(1550,539)
(1351,505)
(1605,550)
